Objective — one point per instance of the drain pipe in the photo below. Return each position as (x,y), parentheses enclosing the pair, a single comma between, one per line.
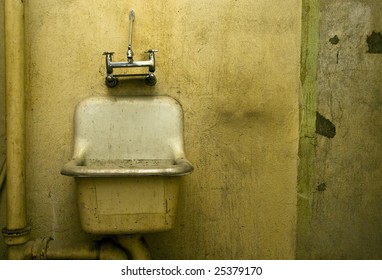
(17,231)
(135,245)
(102,250)
(48,249)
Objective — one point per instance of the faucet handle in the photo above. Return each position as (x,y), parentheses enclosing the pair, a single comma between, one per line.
(151,51)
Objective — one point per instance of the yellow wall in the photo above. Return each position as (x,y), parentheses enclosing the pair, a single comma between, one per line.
(234,67)
(2,87)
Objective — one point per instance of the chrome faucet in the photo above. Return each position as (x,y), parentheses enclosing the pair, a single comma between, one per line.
(130,53)
(112,79)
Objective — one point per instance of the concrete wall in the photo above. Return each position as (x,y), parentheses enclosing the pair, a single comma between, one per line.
(346,192)
(234,67)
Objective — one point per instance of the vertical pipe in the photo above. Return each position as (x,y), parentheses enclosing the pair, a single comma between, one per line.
(15,122)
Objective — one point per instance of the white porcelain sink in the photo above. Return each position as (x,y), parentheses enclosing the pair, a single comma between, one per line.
(127,159)
(128,136)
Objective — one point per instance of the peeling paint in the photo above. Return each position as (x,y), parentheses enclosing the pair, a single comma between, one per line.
(321,187)
(324,126)
(374,42)
(334,40)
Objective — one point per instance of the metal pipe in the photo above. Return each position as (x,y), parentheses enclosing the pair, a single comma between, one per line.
(60,250)
(104,250)
(17,231)
(135,245)
(127,64)
(48,249)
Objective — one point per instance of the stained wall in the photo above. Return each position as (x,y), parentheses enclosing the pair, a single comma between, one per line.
(234,67)
(345,216)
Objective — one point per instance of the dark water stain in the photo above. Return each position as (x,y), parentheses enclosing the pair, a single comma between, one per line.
(324,126)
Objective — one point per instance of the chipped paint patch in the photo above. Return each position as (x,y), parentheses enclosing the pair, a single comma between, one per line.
(374,42)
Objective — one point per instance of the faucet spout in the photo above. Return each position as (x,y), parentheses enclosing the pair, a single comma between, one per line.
(130,52)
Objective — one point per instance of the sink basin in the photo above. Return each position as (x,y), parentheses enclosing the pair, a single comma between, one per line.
(128,136)
(127,161)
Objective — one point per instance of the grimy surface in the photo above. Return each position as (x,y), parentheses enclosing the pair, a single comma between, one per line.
(234,67)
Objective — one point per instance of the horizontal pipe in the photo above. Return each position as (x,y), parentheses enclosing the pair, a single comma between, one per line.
(148,63)
(48,249)
(104,250)
(57,250)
